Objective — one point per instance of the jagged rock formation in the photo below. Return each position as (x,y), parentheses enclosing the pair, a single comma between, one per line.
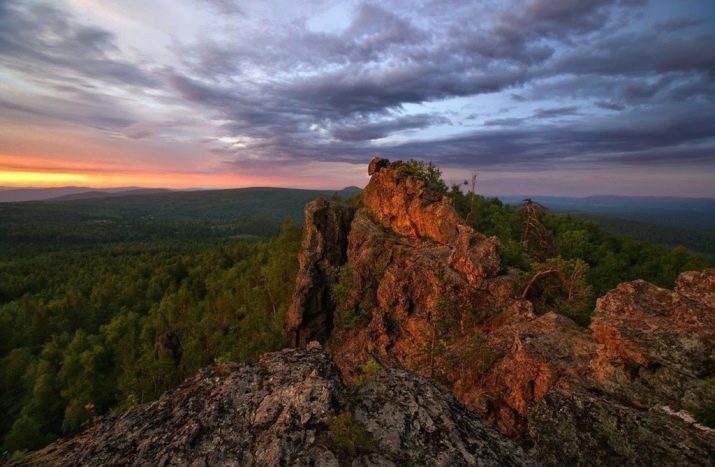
(423,291)
(323,250)
(291,408)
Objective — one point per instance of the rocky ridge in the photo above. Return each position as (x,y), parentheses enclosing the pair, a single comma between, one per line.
(424,291)
(291,408)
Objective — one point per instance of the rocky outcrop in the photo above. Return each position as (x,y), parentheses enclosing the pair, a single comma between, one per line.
(409,258)
(422,285)
(291,408)
(425,292)
(651,377)
(640,324)
(580,427)
(409,207)
(531,358)
(323,251)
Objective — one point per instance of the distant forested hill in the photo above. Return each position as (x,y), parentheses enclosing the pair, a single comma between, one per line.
(667,221)
(701,241)
(187,215)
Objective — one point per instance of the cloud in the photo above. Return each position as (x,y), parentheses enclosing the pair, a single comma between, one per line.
(504,122)
(610,105)
(225,7)
(380,129)
(393,77)
(556,112)
(636,54)
(42,37)
(680,22)
(679,138)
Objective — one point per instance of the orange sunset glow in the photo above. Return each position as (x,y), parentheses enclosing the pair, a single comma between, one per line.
(10,178)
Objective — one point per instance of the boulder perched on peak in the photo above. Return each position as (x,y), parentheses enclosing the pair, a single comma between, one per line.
(291,408)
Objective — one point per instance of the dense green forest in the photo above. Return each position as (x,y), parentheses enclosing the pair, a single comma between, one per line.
(107,303)
(85,331)
(699,240)
(585,258)
(671,222)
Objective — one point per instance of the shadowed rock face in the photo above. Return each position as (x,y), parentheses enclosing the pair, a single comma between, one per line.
(283,411)
(323,251)
(584,428)
(429,295)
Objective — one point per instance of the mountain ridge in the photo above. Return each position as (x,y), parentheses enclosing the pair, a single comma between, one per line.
(411,286)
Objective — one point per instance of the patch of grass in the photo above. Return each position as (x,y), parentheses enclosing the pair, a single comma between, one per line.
(349,435)
(347,314)
(354,307)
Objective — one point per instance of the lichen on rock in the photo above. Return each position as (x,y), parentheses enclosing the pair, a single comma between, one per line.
(290,408)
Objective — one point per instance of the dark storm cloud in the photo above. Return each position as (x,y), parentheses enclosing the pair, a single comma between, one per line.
(290,92)
(681,22)
(638,54)
(351,83)
(610,105)
(612,142)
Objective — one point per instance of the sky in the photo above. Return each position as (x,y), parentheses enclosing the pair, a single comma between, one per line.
(540,97)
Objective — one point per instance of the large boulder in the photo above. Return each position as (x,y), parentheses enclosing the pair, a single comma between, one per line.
(530,357)
(657,346)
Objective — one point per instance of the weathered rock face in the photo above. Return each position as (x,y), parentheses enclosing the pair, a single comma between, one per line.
(657,347)
(651,372)
(407,206)
(323,251)
(427,293)
(425,285)
(531,358)
(581,427)
(291,408)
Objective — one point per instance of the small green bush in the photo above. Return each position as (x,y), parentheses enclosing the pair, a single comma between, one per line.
(425,171)
(349,435)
